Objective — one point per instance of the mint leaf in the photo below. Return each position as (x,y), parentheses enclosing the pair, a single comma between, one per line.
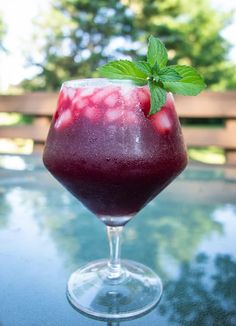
(161,79)
(158,97)
(156,52)
(155,69)
(123,69)
(191,82)
(144,67)
(169,74)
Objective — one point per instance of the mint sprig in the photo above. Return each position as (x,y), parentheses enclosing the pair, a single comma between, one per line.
(178,79)
(156,52)
(190,82)
(123,69)
(158,95)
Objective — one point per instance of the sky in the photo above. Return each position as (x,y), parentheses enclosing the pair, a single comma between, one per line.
(18,16)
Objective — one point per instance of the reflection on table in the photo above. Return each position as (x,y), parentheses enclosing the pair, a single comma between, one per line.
(187,235)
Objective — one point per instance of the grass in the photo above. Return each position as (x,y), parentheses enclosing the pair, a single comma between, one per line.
(16,146)
(210,155)
(11,119)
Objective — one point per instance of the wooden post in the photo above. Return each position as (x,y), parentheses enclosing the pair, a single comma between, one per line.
(230,153)
(38,148)
(230,156)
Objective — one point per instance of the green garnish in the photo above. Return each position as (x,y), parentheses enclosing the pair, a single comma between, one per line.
(155,73)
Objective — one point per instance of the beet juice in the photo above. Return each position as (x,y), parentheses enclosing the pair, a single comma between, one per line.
(108,152)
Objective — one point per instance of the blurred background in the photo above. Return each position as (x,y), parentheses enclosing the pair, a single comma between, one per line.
(44,42)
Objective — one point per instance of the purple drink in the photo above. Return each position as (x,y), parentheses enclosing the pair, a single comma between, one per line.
(105,149)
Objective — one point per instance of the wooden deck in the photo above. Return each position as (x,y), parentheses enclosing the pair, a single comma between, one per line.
(207,105)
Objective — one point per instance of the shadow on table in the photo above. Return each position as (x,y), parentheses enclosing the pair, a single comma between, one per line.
(198,297)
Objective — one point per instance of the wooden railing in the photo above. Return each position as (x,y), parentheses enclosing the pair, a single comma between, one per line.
(207,105)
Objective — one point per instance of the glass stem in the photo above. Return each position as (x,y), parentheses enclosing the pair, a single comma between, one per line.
(114,237)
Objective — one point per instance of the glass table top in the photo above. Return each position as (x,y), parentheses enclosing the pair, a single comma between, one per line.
(187,235)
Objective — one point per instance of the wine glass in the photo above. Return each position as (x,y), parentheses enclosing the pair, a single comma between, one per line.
(114,157)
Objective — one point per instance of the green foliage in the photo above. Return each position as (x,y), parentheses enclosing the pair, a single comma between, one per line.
(178,79)
(79,36)
(191,32)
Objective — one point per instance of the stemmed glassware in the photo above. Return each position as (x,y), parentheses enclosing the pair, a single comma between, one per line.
(109,153)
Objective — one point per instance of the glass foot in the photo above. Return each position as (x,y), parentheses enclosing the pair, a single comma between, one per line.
(134,293)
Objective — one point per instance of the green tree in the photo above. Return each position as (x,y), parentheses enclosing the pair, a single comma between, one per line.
(191,31)
(81,35)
